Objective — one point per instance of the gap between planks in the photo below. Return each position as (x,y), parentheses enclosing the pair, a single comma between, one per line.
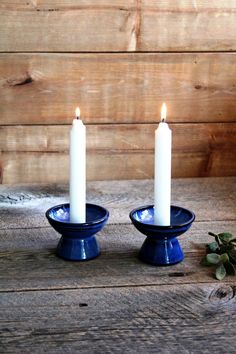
(155,122)
(120,52)
(143,285)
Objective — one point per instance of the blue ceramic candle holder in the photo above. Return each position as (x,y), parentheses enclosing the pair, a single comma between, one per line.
(161,246)
(78,242)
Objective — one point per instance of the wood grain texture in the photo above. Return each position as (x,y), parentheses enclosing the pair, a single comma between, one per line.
(120,320)
(212,199)
(111,269)
(115,303)
(117,88)
(188,25)
(29,152)
(37,167)
(118,60)
(103,25)
(192,138)
(70,26)
(111,239)
(34,248)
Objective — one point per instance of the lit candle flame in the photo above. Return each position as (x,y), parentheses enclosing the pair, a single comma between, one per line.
(163,112)
(77,113)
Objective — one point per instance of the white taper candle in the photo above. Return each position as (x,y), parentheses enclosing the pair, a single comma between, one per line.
(78,170)
(162,183)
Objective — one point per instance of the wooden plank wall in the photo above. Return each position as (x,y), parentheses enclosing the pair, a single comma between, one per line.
(118,60)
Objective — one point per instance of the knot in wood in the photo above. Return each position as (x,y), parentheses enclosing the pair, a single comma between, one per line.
(198,87)
(222,294)
(24,79)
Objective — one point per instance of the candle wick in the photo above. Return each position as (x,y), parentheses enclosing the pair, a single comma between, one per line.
(163,120)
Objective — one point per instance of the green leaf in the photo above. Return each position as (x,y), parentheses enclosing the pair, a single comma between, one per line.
(230,269)
(213,258)
(213,246)
(222,253)
(225,236)
(220,272)
(205,262)
(224,258)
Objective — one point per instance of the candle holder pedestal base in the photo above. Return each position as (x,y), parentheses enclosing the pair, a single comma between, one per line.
(78,242)
(161,246)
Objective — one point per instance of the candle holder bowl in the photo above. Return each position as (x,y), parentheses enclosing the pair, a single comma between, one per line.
(78,242)
(161,246)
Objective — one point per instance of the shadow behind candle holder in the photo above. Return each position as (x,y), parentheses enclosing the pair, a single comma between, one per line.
(161,246)
(78,242)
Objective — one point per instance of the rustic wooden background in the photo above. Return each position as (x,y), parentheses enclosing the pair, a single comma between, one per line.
(118,60)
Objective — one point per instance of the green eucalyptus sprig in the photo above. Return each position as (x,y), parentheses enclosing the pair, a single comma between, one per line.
(221,253)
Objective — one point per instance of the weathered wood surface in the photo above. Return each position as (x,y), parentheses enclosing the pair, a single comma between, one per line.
(117,88)
(112,269)
(103,25)
(31,153)
(194,138)
(114,237)
(114,303)
(212,199)
(118,265)
(39,167)
(119,61)
(28,243)
(168,319)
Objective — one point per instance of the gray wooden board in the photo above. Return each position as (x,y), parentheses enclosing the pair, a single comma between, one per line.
(151,319)
(210,198)
(34,249)
(41,269)
(118,237)
(115,303)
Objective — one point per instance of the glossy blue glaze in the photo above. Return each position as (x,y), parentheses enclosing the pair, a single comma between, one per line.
(78,242)
(161,246)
